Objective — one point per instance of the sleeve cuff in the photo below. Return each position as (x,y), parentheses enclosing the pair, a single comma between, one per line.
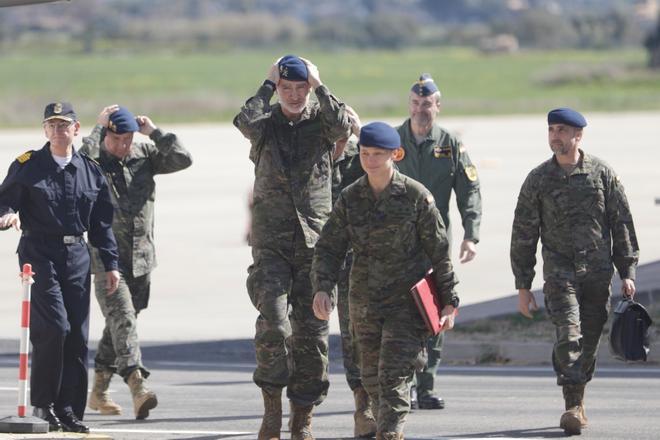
(156,134)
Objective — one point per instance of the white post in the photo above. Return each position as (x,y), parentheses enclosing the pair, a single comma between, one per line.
(26,280)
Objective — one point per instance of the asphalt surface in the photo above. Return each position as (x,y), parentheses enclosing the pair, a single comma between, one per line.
(204,401)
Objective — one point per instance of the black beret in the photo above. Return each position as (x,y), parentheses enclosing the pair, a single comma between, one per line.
(292,68)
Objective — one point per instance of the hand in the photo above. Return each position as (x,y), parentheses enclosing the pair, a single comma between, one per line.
(526,303)
(628,288)
(468,251)
(10,219)
(104,116)
(356,124)
(447,316)
(322,305)
(274,72)
(111,281)
(313,76)
(146,125)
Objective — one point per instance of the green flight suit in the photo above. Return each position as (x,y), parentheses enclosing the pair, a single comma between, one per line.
(442,165)
(393,236)
(585,225)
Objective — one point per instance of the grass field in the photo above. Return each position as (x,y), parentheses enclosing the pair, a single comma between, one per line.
(211,87)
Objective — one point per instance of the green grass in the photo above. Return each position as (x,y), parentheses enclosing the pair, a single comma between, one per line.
(211,87)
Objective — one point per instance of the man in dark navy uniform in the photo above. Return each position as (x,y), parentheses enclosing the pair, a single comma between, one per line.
(59,194)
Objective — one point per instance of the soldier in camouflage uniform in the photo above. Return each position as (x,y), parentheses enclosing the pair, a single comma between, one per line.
(576,204)
(394,228)
(440,162)
(346,170)
(291,147)
(130,168)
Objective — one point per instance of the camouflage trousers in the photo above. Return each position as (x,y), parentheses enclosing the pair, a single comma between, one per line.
(291,343)
(349,349)
(119,348)
(390,340)
(579,310)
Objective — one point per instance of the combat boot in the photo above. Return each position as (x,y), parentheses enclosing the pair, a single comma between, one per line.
(143,399)
(271,424)
(365,423)
(574,419)
(301,422)
(100,400)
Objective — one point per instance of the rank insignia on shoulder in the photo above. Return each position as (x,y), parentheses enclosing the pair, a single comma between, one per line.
(24,157)
(429,199)
(471,172)
(440,151)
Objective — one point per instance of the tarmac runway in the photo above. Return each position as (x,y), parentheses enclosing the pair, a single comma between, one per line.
(199,287)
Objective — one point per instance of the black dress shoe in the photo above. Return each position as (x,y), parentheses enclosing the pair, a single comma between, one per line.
(430,402)
(48,414)
(70,423)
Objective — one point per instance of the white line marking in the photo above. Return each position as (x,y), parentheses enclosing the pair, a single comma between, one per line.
(166,431)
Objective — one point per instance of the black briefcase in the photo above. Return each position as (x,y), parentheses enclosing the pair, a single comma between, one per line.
(629,333)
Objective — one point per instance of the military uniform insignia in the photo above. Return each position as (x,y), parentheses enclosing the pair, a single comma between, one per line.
(440,151)
(284,72)
(57,108)
(24,157)
(399,154)
(471,173)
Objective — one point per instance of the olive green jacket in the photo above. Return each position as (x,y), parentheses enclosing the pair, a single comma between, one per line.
(441,164)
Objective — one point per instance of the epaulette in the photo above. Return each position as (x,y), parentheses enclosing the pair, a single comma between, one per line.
(24,157)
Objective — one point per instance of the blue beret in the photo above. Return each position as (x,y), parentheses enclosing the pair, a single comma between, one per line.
(292,68)
(60,110)
(123,121)
(425,86)
(565,115)
(381,135)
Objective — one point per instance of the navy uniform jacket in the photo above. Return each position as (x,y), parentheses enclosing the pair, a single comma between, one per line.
(55,201)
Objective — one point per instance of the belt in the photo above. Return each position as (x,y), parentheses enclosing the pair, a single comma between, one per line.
(65,239)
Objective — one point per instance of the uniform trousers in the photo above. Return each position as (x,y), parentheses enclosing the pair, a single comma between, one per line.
(59,325)
(578,307)
(119,348)
(291,343)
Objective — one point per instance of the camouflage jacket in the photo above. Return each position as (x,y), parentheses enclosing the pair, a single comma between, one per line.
(583,220)
(133,193)
(441,164)
(292,165)
(392,236)
(346,168)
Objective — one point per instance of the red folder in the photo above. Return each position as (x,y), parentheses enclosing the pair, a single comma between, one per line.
(424,292)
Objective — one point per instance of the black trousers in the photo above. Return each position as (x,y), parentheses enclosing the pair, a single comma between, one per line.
(59,325)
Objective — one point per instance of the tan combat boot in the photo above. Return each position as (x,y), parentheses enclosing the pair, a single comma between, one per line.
(100,400)
(574,419)
(365,424)
(301,422)
(271,424)
(143,399)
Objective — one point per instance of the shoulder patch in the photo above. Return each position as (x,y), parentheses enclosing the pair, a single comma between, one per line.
(471,173)
(24,157)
